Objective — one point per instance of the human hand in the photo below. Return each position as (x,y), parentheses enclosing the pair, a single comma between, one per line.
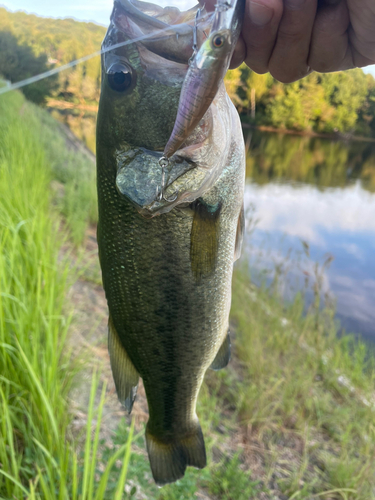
(291,38)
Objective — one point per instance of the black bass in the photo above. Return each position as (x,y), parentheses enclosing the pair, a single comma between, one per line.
(166,265)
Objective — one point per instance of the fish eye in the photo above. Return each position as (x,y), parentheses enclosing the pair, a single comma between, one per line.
(218,41)
(120,77)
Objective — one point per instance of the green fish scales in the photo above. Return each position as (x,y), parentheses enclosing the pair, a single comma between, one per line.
(167,267)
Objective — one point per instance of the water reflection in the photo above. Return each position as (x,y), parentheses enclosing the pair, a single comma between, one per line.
(319,192)
(316,161)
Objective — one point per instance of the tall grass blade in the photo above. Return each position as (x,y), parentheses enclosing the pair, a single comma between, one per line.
(125,465)
(41,392)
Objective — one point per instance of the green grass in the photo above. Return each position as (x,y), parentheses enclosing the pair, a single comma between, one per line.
(39,459)
(307,397)
(74,176)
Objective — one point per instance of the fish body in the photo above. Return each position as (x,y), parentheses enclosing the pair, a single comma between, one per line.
(206,71)
(166,266)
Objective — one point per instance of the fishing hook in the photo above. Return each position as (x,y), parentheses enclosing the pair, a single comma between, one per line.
(195,37)
(160,196)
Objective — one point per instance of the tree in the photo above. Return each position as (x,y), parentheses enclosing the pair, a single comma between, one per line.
(18,62)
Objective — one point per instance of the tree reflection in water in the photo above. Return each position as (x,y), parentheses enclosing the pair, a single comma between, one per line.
(311,160)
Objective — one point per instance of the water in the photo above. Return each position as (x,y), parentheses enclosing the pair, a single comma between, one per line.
(312,200)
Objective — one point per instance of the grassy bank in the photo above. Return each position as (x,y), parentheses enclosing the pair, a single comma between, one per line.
(290,418)
(39,458)
(308,398)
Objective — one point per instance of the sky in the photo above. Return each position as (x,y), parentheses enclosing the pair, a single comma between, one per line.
(97,11)
(334,221)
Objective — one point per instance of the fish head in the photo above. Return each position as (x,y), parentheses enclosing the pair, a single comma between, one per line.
(139,93)
(139,99)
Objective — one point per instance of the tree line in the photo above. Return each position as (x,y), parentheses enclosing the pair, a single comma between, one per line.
(53,42)
(324,103)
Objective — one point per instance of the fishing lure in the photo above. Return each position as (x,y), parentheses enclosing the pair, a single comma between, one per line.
(207,68)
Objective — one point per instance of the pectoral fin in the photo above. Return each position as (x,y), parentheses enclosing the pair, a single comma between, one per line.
(125,375)
(239,234)
(204,239)
(223,356)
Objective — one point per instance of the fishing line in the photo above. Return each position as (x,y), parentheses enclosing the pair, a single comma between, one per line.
(55,71)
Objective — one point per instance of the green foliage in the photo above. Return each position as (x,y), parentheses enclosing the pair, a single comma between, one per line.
(230,482)
(33,327)
(18,62)
(61,41)
(74,176)
(306,396)
(38,457)
(334,102)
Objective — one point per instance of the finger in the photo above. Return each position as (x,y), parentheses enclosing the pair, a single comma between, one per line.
(362,31)
(329,50)
(239,54)
(259,31)
(290,55)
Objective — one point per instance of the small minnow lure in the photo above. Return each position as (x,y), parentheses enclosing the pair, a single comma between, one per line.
(207,68)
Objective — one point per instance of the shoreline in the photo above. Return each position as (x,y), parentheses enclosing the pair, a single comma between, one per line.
(309,133)
(335,136)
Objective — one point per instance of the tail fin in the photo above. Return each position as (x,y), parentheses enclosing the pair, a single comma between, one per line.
(169,460)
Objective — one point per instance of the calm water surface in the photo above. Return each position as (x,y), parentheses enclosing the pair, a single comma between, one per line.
(313,200)
(308,201)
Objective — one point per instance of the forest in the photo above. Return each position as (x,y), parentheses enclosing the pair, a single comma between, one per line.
(342,102)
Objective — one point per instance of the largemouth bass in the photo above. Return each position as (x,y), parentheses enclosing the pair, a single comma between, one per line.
(166,265)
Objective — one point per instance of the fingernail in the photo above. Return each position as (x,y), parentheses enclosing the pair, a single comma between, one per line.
(260,14)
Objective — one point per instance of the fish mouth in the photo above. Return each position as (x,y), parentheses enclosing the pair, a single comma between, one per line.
(138,179)
(190,172)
